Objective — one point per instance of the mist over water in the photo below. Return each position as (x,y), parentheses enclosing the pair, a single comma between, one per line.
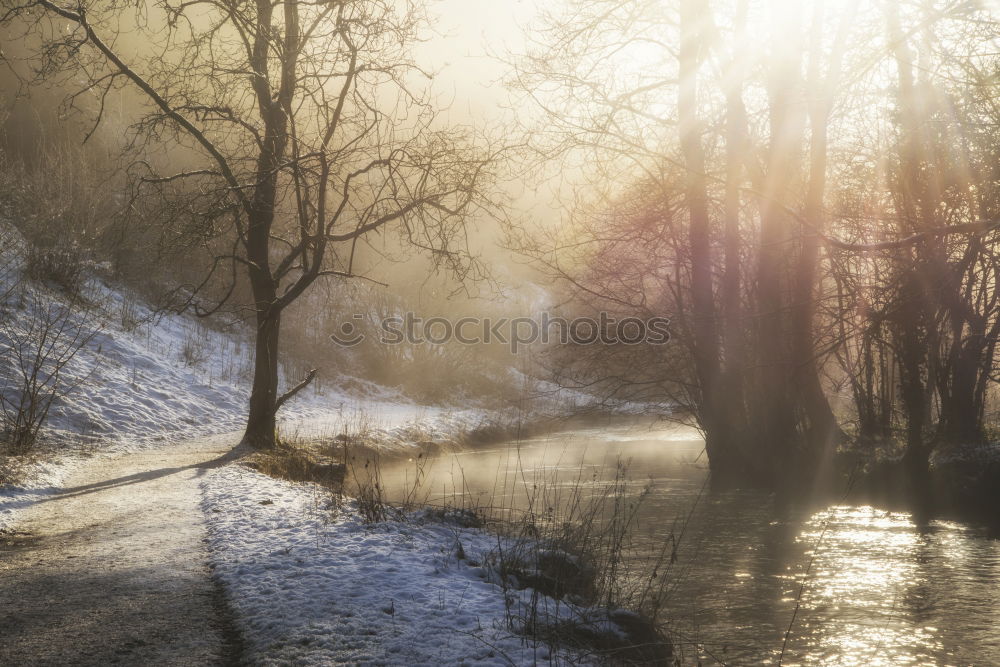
(880,589)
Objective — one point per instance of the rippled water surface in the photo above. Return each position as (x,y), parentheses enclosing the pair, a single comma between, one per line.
(878,588)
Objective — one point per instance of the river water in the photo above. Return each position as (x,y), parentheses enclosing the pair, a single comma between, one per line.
(879,589)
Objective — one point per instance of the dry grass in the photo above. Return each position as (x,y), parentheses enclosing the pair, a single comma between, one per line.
(573,542)
(295,464)
(342,462)
(565,541)
(569,542)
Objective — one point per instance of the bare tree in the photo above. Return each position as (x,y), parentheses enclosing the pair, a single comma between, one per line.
(308,130)
(783,210)
(744,314)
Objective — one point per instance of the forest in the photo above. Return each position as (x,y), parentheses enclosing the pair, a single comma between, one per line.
(214,211)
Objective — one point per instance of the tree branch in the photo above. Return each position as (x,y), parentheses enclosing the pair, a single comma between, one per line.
(294,390)
(80,19)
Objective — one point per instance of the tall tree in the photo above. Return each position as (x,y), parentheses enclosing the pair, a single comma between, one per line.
(310,128)
(705,342)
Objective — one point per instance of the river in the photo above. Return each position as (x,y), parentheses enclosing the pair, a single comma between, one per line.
(879,589)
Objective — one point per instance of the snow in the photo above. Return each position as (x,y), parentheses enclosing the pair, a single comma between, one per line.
(46,477)
(144,378)
(311,584)
(171,374)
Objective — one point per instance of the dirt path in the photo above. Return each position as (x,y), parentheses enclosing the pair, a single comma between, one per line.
(114,568)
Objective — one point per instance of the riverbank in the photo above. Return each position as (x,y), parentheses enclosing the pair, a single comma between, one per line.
(314,580)
(962,484)
(865,584)
(320,569)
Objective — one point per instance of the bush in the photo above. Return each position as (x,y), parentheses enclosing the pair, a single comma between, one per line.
(39,345)
(61,266)
(194,349)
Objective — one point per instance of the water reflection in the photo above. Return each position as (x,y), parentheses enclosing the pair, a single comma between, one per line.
(864,558)
(880,590)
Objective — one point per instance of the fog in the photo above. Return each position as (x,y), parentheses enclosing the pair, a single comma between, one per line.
(731,271)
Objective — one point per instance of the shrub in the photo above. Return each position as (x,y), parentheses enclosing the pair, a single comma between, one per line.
(194,349)
(61,266)
(39,344)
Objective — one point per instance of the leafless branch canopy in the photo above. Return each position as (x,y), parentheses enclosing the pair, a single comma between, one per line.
(305,127)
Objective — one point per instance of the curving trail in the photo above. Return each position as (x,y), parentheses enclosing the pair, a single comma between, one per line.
(114,569)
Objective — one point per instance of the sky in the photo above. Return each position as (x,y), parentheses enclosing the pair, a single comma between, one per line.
(472,35)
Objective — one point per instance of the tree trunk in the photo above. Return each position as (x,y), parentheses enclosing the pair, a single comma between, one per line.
(821,427)
(261,422)
(714,412)
(734,325)
(775,416)
(961,401)
(912,361)
(915,319)
(729,441)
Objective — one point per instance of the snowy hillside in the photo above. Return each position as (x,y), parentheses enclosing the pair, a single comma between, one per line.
(140,378)
(147,375)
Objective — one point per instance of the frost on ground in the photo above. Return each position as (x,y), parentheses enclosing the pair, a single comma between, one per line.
(314,586)
(46,477)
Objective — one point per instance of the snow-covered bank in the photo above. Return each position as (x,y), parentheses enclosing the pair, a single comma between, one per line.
(311,584)
(309,587)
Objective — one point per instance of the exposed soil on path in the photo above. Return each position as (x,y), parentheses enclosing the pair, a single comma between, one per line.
(114,568)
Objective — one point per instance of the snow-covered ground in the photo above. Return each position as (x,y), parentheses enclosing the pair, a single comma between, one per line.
(170,377)
(312,584)
(142,378)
